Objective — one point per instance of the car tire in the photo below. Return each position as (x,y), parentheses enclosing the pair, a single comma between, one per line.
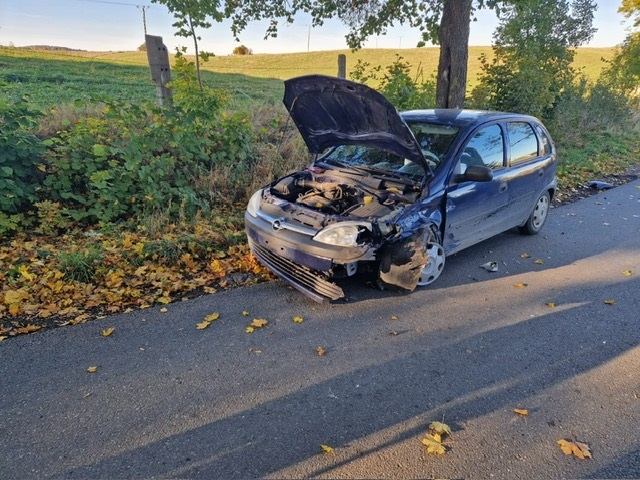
(538,216)
(435,259)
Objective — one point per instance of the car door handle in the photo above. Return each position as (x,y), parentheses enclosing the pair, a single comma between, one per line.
(503,187)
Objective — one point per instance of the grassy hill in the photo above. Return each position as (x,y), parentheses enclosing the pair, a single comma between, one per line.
(55,77)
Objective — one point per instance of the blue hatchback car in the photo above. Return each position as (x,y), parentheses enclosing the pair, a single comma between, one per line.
(394,193)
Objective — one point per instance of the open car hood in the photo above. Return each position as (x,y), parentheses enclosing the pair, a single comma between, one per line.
(331,111)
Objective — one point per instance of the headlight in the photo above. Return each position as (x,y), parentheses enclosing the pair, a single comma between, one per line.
(254,203)
(344,234)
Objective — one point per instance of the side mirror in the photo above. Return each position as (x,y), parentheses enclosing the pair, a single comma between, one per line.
(475,173)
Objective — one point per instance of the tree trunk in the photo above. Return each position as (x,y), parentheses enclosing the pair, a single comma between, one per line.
(453,35)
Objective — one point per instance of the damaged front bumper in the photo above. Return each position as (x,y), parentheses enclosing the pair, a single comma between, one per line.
(290,252)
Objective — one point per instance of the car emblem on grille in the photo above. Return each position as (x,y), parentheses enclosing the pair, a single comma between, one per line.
(278,224)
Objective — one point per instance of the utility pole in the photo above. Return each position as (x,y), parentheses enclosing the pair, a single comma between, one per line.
(308,38)
(143,9)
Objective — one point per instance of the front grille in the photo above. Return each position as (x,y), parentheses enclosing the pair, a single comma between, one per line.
(308,281)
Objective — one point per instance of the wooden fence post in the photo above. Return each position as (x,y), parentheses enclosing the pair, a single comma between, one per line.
(342,66)
(160,71)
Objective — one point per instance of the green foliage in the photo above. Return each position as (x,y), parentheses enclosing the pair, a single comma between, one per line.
(533,52)
(20,157)
(138,158)
(396,84)
(623,71)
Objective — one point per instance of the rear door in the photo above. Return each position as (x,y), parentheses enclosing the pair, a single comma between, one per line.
(529,168)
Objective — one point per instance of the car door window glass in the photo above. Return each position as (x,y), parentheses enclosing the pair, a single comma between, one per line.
(522,141)
(485,148)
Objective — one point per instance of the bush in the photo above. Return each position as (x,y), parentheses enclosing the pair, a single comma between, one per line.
(20,161)
(242,50)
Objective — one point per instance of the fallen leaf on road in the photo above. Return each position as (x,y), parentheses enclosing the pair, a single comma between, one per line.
(627,273)
(525,255)
(202,325)
(298,319)
(394,317)
(86,395)
(164,310)
(92,369)
(609,302)
(245,313)
(580,450)
(433,445)
(521,411)
(107,332)
(520,285)
(259,322)
(249,329)
(539,261)
(326,449)
(320,351)
(393,333)
(551,304)
(440,428)
(212,317)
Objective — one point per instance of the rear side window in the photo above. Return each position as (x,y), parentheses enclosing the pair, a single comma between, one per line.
(545,142)
(522,141)
(485,148)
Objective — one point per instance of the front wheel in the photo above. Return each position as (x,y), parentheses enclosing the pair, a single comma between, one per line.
(538,216)
(435,260)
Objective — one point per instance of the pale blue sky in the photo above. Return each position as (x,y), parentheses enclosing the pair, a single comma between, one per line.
(104,25)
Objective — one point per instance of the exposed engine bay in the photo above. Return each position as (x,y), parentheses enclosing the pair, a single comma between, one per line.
(347,192)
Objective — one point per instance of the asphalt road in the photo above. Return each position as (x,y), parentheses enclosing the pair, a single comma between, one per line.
(168,400)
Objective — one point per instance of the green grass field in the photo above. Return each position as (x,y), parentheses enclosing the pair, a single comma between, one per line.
(60,77)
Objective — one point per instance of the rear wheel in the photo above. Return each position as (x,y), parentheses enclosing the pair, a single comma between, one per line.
(538,216)
(435,260)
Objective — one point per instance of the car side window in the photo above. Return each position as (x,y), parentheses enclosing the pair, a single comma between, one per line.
(485,148)
(523,142)
(545,142)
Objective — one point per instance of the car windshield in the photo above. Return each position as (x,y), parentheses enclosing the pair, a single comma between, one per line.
(434,139)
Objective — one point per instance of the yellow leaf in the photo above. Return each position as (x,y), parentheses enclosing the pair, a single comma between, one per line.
(212,317)
(259,322)
(580,450)
(24,271)
(2,338)
(440,428)
(92,369)
(108,331)
(15,296)
(394,317)
(320,351)
(327,450)
(14,309)
(203,325)
(164,310)
(520,285)
(164,300)
(551,304)
(627,273)
(539,261)
(609,302)
(525,255)
(245,313)
(249,329)
(521,411)
(298,319)
(433,445)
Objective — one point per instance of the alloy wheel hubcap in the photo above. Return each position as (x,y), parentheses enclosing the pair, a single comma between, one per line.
(434,266)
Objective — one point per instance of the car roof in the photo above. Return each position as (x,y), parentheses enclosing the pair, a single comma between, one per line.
(461,118)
